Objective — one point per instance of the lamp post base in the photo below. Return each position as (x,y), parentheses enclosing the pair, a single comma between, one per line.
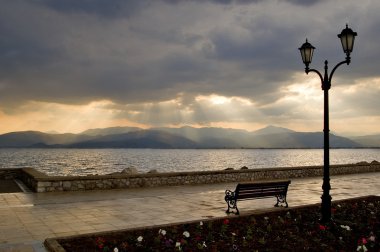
(326,208)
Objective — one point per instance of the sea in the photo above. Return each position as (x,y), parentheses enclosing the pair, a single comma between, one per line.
(82,162)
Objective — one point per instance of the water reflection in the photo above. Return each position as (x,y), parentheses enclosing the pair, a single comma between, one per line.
(103,161)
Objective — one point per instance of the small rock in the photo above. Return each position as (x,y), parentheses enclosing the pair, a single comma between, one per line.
(244,168)
(375,162)
(130,170)
(362,163)
(153,171)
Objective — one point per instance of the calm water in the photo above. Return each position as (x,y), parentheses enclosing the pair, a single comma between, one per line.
(103,161)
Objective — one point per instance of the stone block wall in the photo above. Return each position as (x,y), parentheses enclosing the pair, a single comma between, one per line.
(31,178)
(40,182)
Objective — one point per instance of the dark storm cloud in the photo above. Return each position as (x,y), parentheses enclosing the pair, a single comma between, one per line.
(297,2)
(105,8)
(135,52)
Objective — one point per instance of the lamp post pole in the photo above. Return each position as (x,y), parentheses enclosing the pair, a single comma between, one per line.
(326,198)
(347,38)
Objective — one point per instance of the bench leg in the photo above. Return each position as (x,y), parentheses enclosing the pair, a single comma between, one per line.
(228,207)
(231,204)
(231,201)
(281,199)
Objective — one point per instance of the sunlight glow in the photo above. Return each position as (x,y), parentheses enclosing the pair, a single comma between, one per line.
(363,84)
(216,99)
(43,116)
(305,90)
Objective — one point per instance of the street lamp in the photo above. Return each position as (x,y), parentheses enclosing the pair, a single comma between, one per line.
(347,37)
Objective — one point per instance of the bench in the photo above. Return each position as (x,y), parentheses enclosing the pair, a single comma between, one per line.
(264,189)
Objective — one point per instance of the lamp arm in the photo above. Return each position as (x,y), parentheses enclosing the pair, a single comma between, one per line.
(338,65)
(307,70)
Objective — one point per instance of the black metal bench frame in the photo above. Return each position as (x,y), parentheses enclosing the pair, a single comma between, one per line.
(265,189)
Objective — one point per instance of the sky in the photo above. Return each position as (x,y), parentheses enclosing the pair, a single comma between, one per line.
(67,66)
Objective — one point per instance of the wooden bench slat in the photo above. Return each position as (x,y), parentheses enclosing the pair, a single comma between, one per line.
(262,186)
(261,190)
(258,195)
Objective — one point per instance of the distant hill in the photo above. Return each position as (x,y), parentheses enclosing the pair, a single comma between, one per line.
(302,140)
(184,137)
(38,139)
(212,137)
(268,137)
(371,141)
(272,130)
(109,131)
(138,139)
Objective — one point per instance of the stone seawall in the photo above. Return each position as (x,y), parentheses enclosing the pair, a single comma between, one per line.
(40,182)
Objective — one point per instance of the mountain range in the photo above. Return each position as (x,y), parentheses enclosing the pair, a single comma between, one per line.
(183,138)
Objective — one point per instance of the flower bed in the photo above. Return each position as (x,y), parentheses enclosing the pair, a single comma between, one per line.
(356,227)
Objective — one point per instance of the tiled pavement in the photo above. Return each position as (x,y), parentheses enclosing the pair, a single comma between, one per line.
(27,219)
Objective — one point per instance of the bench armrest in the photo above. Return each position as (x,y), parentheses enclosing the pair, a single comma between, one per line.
(229,195)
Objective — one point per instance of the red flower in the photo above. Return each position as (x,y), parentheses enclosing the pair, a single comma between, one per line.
(100,242)
(362,241)
(322,227)
(333,210)
(226,221)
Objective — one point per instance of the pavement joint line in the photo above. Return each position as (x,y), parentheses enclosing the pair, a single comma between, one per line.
(17,206)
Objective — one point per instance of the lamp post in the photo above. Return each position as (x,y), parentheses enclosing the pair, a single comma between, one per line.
(347,37)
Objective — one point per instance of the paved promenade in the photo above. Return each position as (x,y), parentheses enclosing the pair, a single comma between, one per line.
(27,219)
